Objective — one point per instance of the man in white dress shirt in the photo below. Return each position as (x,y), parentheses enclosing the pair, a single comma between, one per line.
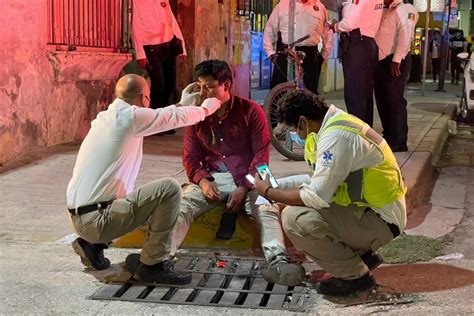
(157,40)
(358,27)
(394,39)
(354,202)
(310,16)
(101,198)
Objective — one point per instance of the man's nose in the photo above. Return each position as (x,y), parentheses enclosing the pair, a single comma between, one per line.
(202,92)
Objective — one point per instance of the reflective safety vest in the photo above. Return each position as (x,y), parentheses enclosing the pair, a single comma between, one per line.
(371,187)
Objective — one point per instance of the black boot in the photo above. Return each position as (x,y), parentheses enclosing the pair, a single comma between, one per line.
(372,259)
(341,287)
(92,255)
(162,272)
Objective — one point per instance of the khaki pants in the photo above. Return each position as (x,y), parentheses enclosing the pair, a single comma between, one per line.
(156,203)
(194,204)
(335,237)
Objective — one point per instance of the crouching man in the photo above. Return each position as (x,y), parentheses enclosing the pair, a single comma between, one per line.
(354,202)
(101,199)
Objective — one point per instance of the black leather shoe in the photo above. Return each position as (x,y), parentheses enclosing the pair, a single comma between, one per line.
(92,255)
(163,273)
(341,287)
(372,259)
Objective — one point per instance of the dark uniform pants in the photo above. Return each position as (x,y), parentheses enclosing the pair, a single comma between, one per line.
(359,58)
(311,66)
(161,68)
(391,103)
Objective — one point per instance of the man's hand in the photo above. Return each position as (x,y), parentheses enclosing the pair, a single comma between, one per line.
(209,190)
(183,58)
(262,185)
(395,69)
(236,200)
(273,57)
(211,105)
(142,63)
(190,95)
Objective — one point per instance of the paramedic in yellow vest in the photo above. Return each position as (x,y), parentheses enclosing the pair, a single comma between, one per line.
(354,202)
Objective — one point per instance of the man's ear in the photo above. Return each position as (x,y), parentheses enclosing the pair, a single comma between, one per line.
(227,85)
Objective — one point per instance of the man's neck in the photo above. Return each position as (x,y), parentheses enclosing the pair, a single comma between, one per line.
(224,107)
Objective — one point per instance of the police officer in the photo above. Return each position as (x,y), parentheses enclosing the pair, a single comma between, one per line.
(354,202)
(394,41)
(359,24)
(310,16)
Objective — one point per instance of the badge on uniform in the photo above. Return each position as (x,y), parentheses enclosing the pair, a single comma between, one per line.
(355,2)
(316,8)
(163,4)
(328,158)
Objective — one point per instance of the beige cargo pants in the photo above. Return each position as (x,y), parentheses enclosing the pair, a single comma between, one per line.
(194,204)
(334,237)
(156,203)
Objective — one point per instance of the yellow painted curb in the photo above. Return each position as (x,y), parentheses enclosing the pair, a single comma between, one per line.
(202,234)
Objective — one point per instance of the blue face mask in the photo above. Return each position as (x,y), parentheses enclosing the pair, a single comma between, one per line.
(295,138)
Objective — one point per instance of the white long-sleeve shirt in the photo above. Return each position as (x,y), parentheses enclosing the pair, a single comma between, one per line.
(110,156)
(339,153)
(153,23)
(362,14)
(395,32)
(309,19)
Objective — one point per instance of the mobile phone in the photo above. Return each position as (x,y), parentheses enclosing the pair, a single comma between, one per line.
(263,170)
(250,178)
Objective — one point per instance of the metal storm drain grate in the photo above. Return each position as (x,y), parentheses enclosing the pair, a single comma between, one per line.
(219,281)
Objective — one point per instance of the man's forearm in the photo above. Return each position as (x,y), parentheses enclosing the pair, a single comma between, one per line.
(288,197)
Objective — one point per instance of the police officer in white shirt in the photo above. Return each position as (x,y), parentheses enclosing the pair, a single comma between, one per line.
(101,199)
(394,39)
(157,40)
(359,24)
(310,16)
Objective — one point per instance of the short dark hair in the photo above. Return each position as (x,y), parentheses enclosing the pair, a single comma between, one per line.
(296,103)
(218,69)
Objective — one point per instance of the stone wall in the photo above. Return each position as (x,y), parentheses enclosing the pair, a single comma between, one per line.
(47,97)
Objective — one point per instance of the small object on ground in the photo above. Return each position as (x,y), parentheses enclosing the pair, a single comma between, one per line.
(451,256)
(289,274)
(221,264)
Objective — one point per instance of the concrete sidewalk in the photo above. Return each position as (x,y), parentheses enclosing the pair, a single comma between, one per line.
(42,276)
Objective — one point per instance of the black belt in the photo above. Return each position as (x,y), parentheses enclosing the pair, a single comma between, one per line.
(89,208)
(393,228)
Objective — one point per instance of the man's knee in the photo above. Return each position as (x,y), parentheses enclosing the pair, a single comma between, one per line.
(169,187)
(303,221)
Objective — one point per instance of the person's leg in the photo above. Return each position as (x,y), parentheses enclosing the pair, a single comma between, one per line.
(279,269)
(156,203)
(335,237)
(436,63)
(312,69)
(169,64)
(381,74)
(155,71)
(399,106)
(193,205)
(279,71)
(271,233)
(358,66)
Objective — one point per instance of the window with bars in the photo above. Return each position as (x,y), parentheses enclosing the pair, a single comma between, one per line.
(257,11)
(103,24)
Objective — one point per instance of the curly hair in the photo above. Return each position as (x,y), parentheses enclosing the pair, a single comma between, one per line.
(296,103)
(218,69)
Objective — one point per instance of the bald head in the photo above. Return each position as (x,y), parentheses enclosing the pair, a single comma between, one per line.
(130,88)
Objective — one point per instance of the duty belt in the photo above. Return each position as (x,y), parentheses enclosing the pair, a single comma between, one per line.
(89,208)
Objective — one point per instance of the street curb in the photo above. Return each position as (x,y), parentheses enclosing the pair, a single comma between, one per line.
(419,171)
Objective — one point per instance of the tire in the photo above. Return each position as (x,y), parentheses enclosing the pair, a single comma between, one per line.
(465,115)
(278,135)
